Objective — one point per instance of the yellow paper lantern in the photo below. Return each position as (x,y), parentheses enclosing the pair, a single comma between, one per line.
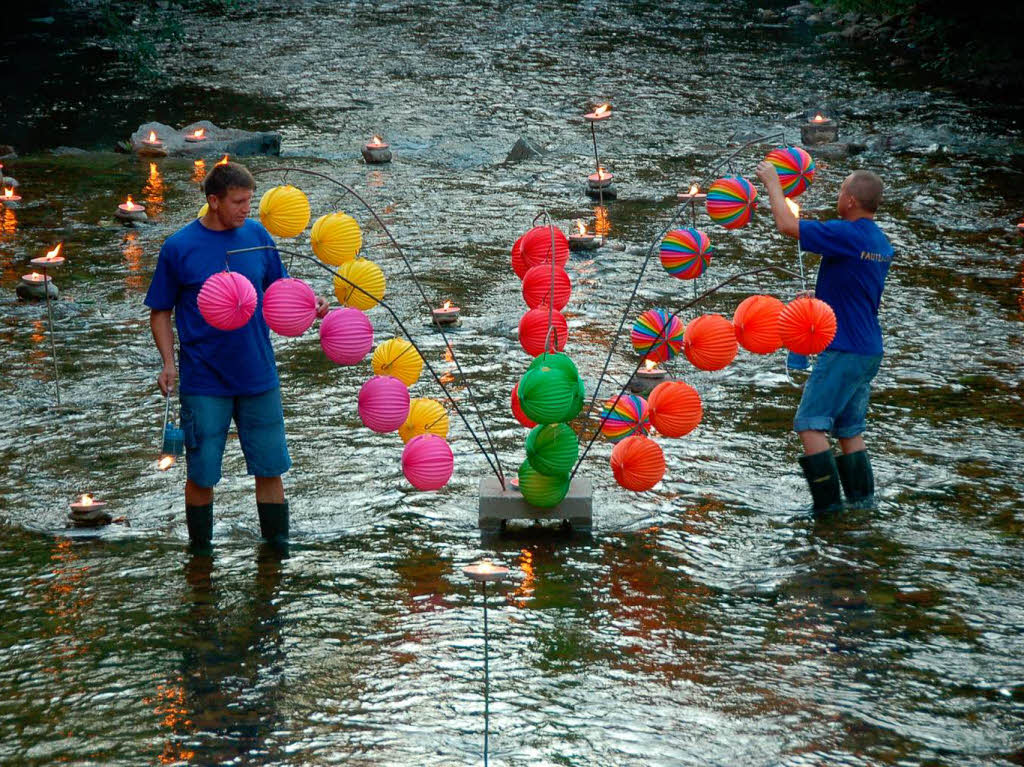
(204,210)
(425,416)
(368,276)
(399,359)
(284,211)
(336,238)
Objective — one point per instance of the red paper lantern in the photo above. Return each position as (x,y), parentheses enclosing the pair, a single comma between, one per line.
(537,246)
(518,262)
(807,325)
(638,463)
(756,322)
(710,342)
(533,329)
(517,409)
(537,286)
(675,408)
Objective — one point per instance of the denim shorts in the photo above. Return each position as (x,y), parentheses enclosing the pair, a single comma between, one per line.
(260,421)
(836,395)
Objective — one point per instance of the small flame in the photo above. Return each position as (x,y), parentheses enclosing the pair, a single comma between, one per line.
(34,277)
(223,160)
(55,253)
(9,192)
(166,462)
(602,173)
(129,204)
(85,500)
(447,305)
(602,109)
(581,226)
(152,137)
(793,207)
(199,133)
(650,365)
(694,189)
(819,118)
(376,140)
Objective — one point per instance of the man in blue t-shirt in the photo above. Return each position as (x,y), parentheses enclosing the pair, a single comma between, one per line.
(855,258)
(224,374)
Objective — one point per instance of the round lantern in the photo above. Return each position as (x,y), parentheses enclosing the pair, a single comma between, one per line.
(537,246)
(517,409)
(533,331)
(336,238)
(541,490)
(686,253)
(675,408)
(203,210)
(552,449)
(548,395)
(638,463)
(645,335)
(557,361)
(795,168)
(731,202)
(284,211)
(227,300)
(289,307)
(383,404)
(346,336)
(537,286)
(366,275)
(398,357)
(710,342)
(518,261)
(427,462)
(756,322)
(426,416)
(624,418)
(807,325)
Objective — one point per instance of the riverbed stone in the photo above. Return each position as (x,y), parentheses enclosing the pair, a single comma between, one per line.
(522,150)
(233,142)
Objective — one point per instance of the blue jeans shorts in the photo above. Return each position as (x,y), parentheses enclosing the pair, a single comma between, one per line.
(836,395)
(260,421)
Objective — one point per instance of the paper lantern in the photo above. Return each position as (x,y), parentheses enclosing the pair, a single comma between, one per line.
(537,246)
(548,395)
(537,286)
(675,408)
(541,490)
(807,325)
(710,342)
(346,336)
(284,211)
(638,463)
(756,322)
(645,335)
(203,210)
(517,409)
(227,300)
(624,418)
(336,238)
(518,261)
(398,357)
(366,275)
(552,449)
(686,253)
(289,307)
(795,168)
(427,462)
(426,416)
(383,404)
(533,330)
(731,202)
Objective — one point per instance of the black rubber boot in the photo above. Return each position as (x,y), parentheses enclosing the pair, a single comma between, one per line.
(274,522)
(857,478)
(200,525)
(823,479)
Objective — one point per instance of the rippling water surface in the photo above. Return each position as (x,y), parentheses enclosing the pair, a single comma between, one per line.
(706,622)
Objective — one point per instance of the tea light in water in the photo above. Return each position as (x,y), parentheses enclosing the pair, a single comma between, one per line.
(9,196)
(485,571)
(692,196)
(650,373)
(600,180)
(52,259)
(87,503)
(35,278)
(602,112)
(153,142)
(199,134)
(820,129)
(581,239)
(446,314)
(129,210)
(377,150)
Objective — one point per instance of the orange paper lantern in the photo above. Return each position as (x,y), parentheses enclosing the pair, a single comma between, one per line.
(675,408)
(807,325)
(710,342)
(756,322)
(533,330)
(638,463)
(537,286)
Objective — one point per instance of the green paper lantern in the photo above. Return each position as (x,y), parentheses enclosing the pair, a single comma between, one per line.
(556,362)
(548,395)
(541,490)
(552,449)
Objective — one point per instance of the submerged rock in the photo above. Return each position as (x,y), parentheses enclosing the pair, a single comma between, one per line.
(216,140)
(523,150)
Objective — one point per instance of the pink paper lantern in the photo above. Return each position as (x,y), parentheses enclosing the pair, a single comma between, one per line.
(346,336)
(227,300)
(427,462)
(383,404)
(289,307)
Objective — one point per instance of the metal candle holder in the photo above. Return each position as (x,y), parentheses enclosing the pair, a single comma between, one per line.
(597,189)
(51,260)
(88,512)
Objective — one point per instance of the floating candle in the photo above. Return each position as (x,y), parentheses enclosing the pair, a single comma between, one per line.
(694,195)
(446,314)
(377,150)
(485,571)
(602,112)
(199,134)
(52,259)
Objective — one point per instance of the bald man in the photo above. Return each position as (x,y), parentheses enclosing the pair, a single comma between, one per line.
(855,258)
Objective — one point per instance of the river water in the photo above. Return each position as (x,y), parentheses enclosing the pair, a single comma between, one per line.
(705,622)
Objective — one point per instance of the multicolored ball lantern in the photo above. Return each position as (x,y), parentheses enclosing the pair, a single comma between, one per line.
(731,202)
(227,300)
(710,342)
(537,287)
(346,336)
(645,335)
(795,168)
(517,409)
(686,253)
(427,462)
(397,357)
(624,418)
(336,238)
(807,325)
(383,404)
(289,307)
(552,449)
(537,246)
(284,211)
(756,322)
(675,408)
(426,416)
(549,394)
(638,463)
(519,265)
(533,331)
(364,274)
(541,490)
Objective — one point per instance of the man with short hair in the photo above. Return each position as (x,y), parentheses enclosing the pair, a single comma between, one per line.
(225,375)
(855,259)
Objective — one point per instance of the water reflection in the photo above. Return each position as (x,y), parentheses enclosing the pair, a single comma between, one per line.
(198,171)
(602,223)
(153,192)
(135,280)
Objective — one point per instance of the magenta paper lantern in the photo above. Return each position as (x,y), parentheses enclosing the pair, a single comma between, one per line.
(289,307)
(227,300)
(427,462)
(383,403)
(346,336)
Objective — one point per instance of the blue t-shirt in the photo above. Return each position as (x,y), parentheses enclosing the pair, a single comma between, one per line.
(221,363)
(855,258)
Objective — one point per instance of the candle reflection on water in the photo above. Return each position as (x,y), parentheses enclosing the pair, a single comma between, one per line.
(153,191)
(132,252)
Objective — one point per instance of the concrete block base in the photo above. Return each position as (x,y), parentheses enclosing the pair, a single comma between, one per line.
(497,506)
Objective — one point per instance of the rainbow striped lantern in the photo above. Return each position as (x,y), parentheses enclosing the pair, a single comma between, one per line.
(731,202)
(647,329)
(625,418)
(795,168)
(686,253)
